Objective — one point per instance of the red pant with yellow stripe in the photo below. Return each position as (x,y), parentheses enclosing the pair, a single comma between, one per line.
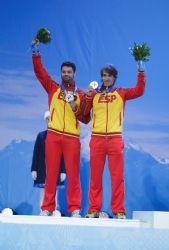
(70,146)
(100,147)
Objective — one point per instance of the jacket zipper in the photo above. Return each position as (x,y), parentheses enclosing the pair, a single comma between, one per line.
(120,118)
(106,116)
(76,123)
(64,117)
(52,114)
(94,118)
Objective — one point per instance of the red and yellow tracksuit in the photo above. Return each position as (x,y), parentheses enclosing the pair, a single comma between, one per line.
(106,139)
(62,137)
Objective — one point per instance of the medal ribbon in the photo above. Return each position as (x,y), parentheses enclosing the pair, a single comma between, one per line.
(107,90)
(66,92)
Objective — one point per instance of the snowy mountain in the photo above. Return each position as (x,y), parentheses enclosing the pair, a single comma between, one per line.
(146,181)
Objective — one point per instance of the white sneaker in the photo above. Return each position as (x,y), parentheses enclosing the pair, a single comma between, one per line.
(45,213)
(56,213)
(76,214)
(103,215)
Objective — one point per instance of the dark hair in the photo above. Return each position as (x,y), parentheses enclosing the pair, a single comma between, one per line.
(69,64)
(110,69)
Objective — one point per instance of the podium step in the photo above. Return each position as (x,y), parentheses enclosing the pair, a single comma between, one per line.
(154,219)
(19,232)
(20,219)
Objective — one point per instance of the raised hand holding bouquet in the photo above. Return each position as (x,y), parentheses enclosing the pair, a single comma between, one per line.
(43,36)
(141,53)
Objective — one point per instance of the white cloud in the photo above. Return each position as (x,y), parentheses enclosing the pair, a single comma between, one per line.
(137,116)
(23,103)
(154,142)
(146,135)
(157,150)
(11,53)
(18,83)
(10,133)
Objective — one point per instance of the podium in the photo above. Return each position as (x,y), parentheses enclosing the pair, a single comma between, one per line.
(147,230)
(153,219)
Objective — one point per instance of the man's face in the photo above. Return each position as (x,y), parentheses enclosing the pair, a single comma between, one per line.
(67,74)
(107,79)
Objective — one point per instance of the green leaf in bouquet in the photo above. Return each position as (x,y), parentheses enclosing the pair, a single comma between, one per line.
(43,36)
(141,52)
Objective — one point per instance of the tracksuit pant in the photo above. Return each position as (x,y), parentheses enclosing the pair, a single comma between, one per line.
(100,147)
(70,146)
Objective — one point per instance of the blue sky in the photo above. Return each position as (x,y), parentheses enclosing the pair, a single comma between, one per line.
(91,33)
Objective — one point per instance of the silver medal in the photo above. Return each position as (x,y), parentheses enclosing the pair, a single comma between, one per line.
(69,97)
(94,84)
